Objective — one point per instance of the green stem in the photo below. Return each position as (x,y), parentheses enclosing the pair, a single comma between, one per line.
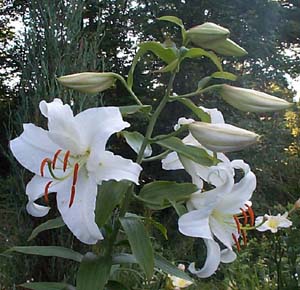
(122,80)
(173,134)
(196,93)
(157,157)
(129,192)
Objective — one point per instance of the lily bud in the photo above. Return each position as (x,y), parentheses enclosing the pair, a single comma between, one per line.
(88,82)
(206,32)
(222,137)
(226,47)
(251,100)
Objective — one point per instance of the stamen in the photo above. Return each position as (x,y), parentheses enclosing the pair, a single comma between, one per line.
(244,235)
(245,216)
(72,196)
(251,214)
(238,246)
(75,173)
(237,224)
(66,159)
(47,191)
(43,164)
(55,158)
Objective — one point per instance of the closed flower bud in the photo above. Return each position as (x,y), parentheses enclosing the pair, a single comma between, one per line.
(251,100)
(88,82)
(222,137)
(206,32)
(226,47)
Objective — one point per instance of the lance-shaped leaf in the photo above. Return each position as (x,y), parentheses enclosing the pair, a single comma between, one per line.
(93,272)
(110,194)
(196,154)
(140,244)
(48,251)
(166,54)
(201,114)
(159,261)
(47,286)
(199,52)
(135,141)
(172,19)
(48,225)
(224,75)
(129,110)
(161,194)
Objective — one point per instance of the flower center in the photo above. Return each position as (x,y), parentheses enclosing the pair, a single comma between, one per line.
(62,162)
(273,223)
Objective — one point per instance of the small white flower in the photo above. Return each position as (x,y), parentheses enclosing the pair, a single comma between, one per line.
(70,159)
(179,283)
(272,223)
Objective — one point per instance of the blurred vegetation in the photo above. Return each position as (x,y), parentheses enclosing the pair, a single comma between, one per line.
(68,36)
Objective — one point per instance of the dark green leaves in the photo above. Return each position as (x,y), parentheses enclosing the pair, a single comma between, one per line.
(48,251)
(140,243)
(46,286)
(48,225)
(93,272)
(160,194)
(201,115)
(172,19)
(135,141)
(129,110)
(196,154)
(224,75)
(109,196)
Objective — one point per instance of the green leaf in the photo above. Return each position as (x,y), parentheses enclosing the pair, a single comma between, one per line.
(167,267)
(173,66)
(179,208)
(224,75)
(159,261)
(159,194)
(110,194)
(199,52)
(158,226)
(201,114)
(172,19)
(140,244)
(93,272)
(115,285)
(135,140)
(196,154)
(46,286)
(48,225)
(167,54)
(136,58)
(129,110)
(48,251)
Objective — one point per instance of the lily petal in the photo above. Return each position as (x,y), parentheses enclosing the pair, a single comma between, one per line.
(171,162)
(107,166)
(227,256)
(80,217)
(216,116)
(212,260)
(96,125)
(195,224)
(37,210)
(32,146)
(62,127)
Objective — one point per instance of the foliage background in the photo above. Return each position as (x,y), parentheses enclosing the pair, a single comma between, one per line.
(67,36)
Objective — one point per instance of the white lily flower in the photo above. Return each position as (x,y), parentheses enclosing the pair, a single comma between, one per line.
(272,223)
(70,159)
(215,213)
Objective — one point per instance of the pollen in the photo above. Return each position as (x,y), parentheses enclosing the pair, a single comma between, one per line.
(75,173)
(238,246)
(55,158)
(244,235)
(237,224)
(73,190)
(43,164)
(251,214)
(66,159)
(46,191)
(245,216)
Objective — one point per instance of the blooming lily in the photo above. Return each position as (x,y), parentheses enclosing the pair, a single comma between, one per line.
(216,214)
(272,223)
(70,159)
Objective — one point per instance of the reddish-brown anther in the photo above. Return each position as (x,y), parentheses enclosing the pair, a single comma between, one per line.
(66,159)
(55,158)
